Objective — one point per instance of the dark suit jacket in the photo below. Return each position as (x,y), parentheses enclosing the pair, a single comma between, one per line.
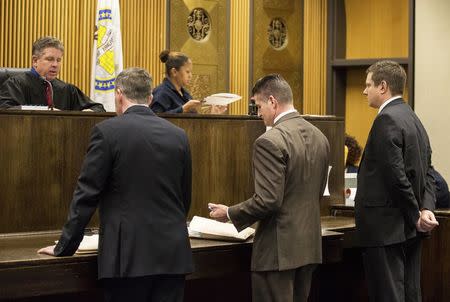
(138,170)
(290,164)
(394,180)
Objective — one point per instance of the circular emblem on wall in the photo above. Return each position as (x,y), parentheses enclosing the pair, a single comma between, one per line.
(277,33)
(198,24)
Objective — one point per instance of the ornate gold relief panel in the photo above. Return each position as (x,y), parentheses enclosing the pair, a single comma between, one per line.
(200,30)
(278,42)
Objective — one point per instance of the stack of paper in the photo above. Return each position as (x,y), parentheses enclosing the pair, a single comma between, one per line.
(221,99)
(88,245)
(34,107)
(201,227)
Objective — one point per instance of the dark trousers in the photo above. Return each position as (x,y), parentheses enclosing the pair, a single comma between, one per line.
(393,272)
(282,286)
(158,288)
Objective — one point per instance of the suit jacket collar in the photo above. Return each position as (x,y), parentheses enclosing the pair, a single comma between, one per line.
(138,109)
(287,117)
(393,103)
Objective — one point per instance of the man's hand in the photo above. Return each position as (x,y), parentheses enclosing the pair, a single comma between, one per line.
(426,221)
(218,212)
(49,250)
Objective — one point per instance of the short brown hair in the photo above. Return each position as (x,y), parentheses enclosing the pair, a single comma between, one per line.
(46,42)
(275,85)
(391,72)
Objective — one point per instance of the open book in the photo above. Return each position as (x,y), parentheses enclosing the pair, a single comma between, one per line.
(201,227)
(221,99)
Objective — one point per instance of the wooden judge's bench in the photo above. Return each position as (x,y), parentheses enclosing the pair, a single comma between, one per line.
(41,154)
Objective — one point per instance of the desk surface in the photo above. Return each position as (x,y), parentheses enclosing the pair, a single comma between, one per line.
(20,249)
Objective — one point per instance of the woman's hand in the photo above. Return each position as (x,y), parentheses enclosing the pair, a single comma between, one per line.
(191,106)
(218,109)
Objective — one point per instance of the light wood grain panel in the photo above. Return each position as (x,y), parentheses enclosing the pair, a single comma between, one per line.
(239,54)
(377,28)
(314,59)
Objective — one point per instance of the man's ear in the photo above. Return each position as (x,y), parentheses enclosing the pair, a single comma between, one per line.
(384,86)
(149,99)
(34,60)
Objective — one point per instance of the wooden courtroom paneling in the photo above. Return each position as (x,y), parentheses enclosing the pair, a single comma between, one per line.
(143,28)
(41,155)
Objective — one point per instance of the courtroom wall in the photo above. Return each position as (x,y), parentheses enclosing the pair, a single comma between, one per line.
(143,26)
(432,65)
(277,42)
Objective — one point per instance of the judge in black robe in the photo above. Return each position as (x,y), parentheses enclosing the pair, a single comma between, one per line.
(28,88)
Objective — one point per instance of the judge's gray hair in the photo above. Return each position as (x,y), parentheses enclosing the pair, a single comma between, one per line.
(46,42)
(136,84)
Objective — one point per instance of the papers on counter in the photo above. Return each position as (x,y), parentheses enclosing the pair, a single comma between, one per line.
(350,185)
(221,99)
(327,191)
(88,245)
(34,107)
(205,228)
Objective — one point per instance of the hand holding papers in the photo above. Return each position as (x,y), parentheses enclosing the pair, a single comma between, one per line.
(221,99)
(218,212)
(201,227)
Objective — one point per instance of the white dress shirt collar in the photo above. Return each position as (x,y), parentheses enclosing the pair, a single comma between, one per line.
(283,114)
(388,101)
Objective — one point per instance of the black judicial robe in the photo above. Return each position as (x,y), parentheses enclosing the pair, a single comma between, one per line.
(28,89)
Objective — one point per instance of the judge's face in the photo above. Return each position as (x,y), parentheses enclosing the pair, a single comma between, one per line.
(266,108)
(183,75)
(48,63)
(373,92)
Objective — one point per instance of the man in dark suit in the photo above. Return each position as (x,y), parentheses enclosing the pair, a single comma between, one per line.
(138,171)
(290,163)
(395,193)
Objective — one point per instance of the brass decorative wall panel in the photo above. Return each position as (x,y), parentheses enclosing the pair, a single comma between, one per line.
(287,60)
(210,54)
(143,26)
(239,54)
(315,57)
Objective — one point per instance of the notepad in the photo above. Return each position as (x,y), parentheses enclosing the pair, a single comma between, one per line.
(221,99)
(205,228)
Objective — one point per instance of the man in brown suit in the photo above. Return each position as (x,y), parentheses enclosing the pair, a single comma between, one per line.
(290,163)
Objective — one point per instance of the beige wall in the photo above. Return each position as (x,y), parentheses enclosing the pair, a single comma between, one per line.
(432,73)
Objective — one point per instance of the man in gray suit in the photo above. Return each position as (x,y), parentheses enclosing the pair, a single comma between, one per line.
(290,163)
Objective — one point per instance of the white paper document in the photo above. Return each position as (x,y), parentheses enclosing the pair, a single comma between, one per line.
(89,244)
(34,107)
(327,191)
(201,227)
(221,99)
(350,185)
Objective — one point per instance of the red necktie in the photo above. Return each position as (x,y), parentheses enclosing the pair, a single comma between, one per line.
(49,94)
